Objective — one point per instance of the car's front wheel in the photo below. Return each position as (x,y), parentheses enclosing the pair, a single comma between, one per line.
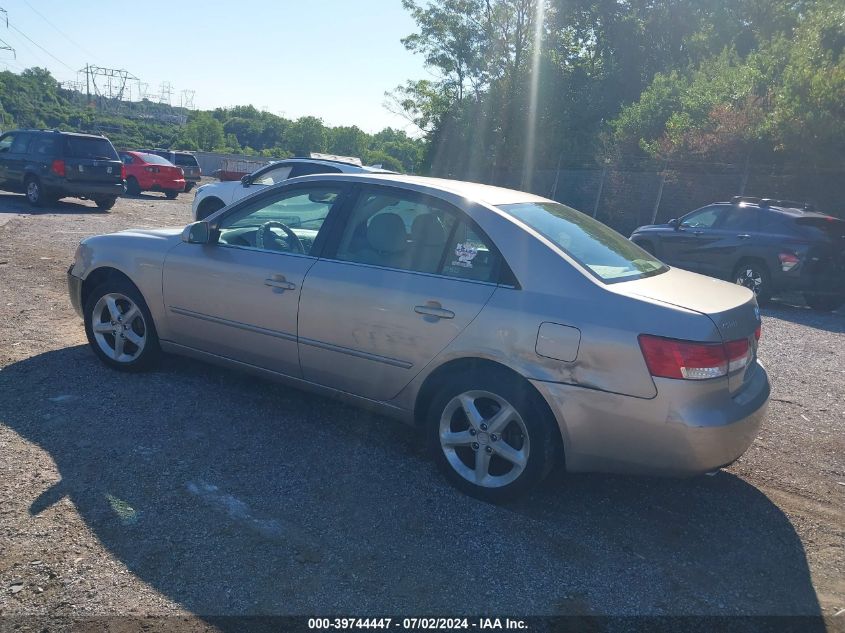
(119,326)
(491,436)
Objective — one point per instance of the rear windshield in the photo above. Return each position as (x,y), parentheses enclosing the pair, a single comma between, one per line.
(186,160)
(597,247)
(88,147)
(152,159)
(822,227)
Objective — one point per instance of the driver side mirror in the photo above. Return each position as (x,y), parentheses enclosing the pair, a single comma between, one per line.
(197,233)
(674,223)
(246,181)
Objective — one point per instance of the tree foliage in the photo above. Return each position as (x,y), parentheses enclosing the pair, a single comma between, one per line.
(719,80)
(34,99)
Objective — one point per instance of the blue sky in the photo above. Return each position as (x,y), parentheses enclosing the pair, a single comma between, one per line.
(329,58)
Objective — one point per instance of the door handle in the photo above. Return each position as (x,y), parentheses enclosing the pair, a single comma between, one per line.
(433,309)
(744,236)
(279,281)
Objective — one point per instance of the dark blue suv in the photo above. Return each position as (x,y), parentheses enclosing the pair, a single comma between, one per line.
(46,165)
(769,246)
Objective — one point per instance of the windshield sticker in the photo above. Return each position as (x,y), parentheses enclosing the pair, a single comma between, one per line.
(465,253)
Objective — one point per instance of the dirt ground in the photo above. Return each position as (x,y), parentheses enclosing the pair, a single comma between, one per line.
(199,491)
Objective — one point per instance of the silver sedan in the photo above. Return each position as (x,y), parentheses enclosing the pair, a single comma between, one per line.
(514,331)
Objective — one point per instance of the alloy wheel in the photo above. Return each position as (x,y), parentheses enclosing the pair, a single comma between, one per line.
(33,191)
(118,327)
(484,439)
(751,278)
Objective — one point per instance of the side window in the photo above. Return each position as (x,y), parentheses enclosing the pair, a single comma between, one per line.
(20,143)
(44,146)
(704,218)
(740,219)
(287,222)
(422,235)
(469,256)
(6,142)
(273,176)
(304,169)
(126,158)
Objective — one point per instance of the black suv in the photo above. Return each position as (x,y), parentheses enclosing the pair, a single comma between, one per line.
(47,165)
(769,246)
(186,160)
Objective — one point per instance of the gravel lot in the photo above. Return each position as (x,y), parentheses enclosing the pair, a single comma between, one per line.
(199,491)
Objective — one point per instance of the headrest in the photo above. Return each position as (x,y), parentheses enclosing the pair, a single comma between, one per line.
(427,230)
(386,233)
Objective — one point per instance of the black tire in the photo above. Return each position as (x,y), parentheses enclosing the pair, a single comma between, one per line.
(34,192)
(542,441)
(170,194)
(104,204)
(188,187)
(754,275)
(145,356)
(824,302)
(132,186)
(207,207)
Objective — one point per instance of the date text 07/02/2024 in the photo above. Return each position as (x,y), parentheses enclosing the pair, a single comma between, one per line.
(425,623)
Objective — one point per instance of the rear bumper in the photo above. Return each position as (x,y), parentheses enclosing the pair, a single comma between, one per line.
(689,428)
(86,189)
(164,185)
(74,289)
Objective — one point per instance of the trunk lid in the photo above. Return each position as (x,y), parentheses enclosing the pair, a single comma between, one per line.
(91,159)
(732,308)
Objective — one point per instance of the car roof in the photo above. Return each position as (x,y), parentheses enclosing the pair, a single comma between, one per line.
(332,163)
(777,206)
(79,134)
(474,191)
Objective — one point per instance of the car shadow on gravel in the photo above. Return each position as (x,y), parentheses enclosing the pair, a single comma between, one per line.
(792,310)
(17,204)
(235,496)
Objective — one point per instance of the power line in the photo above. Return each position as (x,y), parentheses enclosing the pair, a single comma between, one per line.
(12,26)
(58,30)
(3,45)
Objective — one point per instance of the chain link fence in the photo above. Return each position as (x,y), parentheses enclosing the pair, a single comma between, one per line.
(625,197)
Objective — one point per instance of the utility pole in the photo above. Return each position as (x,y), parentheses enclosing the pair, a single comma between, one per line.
(88,83)
(660,191)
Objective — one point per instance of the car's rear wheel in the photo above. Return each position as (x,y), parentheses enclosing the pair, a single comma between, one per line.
(824,302)
(755,276)
(34,192)
(188,187)
(132,186)
(171,194)
(105,204)
(119,326)
(207,207)
(491,437)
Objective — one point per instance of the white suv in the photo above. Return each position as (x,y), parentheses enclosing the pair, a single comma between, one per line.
(214,196)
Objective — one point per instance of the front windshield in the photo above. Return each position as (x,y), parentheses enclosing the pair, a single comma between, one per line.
(597,247)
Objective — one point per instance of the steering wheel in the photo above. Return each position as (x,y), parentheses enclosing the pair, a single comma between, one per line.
(294,242)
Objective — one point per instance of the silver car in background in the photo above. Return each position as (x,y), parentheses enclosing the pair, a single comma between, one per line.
(514,331)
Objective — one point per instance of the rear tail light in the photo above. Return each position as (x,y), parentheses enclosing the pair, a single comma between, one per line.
(122,171)
(688,360)
(58,167)
(788,261)
(758,332)
(152,170)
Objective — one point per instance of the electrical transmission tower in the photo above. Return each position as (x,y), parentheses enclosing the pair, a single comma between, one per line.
(186,99)
(166,93)
(4,16)
(109,84)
